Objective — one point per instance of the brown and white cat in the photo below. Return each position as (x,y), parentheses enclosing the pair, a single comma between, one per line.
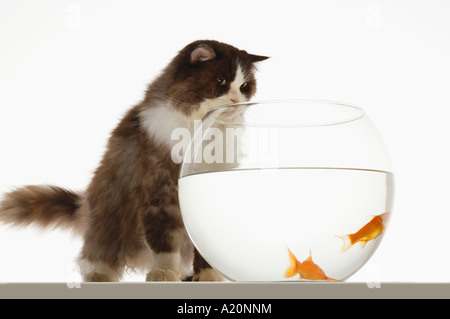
(129,215)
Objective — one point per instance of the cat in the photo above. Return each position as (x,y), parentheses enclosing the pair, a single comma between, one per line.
(129,215)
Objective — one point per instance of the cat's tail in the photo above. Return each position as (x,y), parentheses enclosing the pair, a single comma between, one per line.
(43,206)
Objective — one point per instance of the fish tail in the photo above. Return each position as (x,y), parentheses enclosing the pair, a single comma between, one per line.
(347,242)
(292,270)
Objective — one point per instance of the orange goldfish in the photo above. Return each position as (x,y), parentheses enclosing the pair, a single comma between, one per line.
(369,231)
(306,269)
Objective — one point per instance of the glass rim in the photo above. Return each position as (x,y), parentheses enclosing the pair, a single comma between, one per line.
(348,119)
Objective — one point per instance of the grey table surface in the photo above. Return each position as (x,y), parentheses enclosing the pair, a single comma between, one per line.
(225,290)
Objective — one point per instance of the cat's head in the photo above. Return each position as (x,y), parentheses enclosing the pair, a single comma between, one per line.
(207,74)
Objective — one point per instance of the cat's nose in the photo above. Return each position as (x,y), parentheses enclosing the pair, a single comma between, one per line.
(234,100)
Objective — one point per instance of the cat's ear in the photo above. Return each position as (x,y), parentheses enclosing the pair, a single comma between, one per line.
(202,53)
(257,58)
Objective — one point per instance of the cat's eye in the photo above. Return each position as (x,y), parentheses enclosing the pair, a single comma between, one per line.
(222,81)
(244,85)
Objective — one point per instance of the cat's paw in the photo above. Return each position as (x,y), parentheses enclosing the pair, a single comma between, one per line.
(160,274)
(208,274)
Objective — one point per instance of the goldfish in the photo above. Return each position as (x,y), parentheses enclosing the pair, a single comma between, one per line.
(369,231)
(306,269)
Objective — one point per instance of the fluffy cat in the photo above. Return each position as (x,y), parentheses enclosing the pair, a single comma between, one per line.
(129,215)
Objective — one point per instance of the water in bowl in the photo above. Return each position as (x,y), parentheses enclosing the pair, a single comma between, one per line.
(249,224)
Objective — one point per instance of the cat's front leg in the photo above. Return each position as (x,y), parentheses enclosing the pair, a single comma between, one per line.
(166,267)
(164,232)
(203,271)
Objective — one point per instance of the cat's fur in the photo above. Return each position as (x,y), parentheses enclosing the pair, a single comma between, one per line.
(129,215)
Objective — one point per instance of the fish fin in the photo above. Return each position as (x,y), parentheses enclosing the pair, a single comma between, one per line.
(310,256)
(363,243)
(292,270)
(347,242)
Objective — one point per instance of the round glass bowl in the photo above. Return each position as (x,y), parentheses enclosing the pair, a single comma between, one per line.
(286,190)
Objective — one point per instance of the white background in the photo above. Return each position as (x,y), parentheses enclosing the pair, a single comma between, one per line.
(70,69)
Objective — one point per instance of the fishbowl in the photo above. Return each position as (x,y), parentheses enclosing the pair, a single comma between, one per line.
(286,190)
